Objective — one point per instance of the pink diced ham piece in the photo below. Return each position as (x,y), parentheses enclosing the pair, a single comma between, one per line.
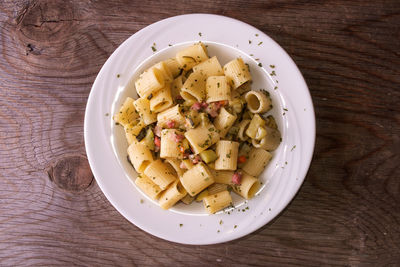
(196,106)
(237,178)
(170,124)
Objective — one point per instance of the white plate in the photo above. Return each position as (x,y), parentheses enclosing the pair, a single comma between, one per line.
(227,38)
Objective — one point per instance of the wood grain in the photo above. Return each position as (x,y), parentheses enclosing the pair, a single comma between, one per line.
(53,213)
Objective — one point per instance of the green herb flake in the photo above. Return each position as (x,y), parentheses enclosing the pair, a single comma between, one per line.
(221,222)
(180,225)
(141,201)
(169,44)
(118,75)
(259,64)
(107,114)
(249,41)
(234,227)
(260,43)
(154,48)
(273,73)
(272,66)
(285,109)
(256,34)
(200,34)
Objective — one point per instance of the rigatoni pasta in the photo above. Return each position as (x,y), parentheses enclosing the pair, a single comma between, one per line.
(227,152)
(171,195)
(148,186)
(150,81)
(198,131)
(196,179)
(210,67)
(217,89)
(161,100)
(160,173)
(127,114)
(142,105)
(237,72)
(258,159)
(192,56)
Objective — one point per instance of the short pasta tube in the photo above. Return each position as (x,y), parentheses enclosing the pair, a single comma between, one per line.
(127,114)
(192,56)
(169,146)
(194,87)
(210,67)
(142,105)
(258,102)
(132,132)
(172,114)
(150,81)
(171,195)
(176,164)
(243,125)
(176,86)
(161,66)
(223,177)
(258,159)
(216,188)
(161,100)
(173,66)
(248,186)
(227,152)
(148,187)
(217,89)
(255,123)
(140,156)
(270,141)
(218,201)
(224,121)
(244,88)
(202,137)
(160,173)
(237,72)
(196,179)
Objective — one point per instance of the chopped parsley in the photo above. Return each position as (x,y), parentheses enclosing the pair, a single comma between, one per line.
(118,75)
(180,225)
(260,43)
(200,34)
(272,66)
(259,64)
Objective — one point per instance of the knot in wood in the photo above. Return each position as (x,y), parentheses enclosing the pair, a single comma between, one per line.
(71,173)
(46,21)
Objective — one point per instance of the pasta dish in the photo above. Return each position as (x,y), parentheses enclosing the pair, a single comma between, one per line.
(197,132)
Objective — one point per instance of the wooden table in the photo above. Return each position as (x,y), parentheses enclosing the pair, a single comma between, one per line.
(53,213)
